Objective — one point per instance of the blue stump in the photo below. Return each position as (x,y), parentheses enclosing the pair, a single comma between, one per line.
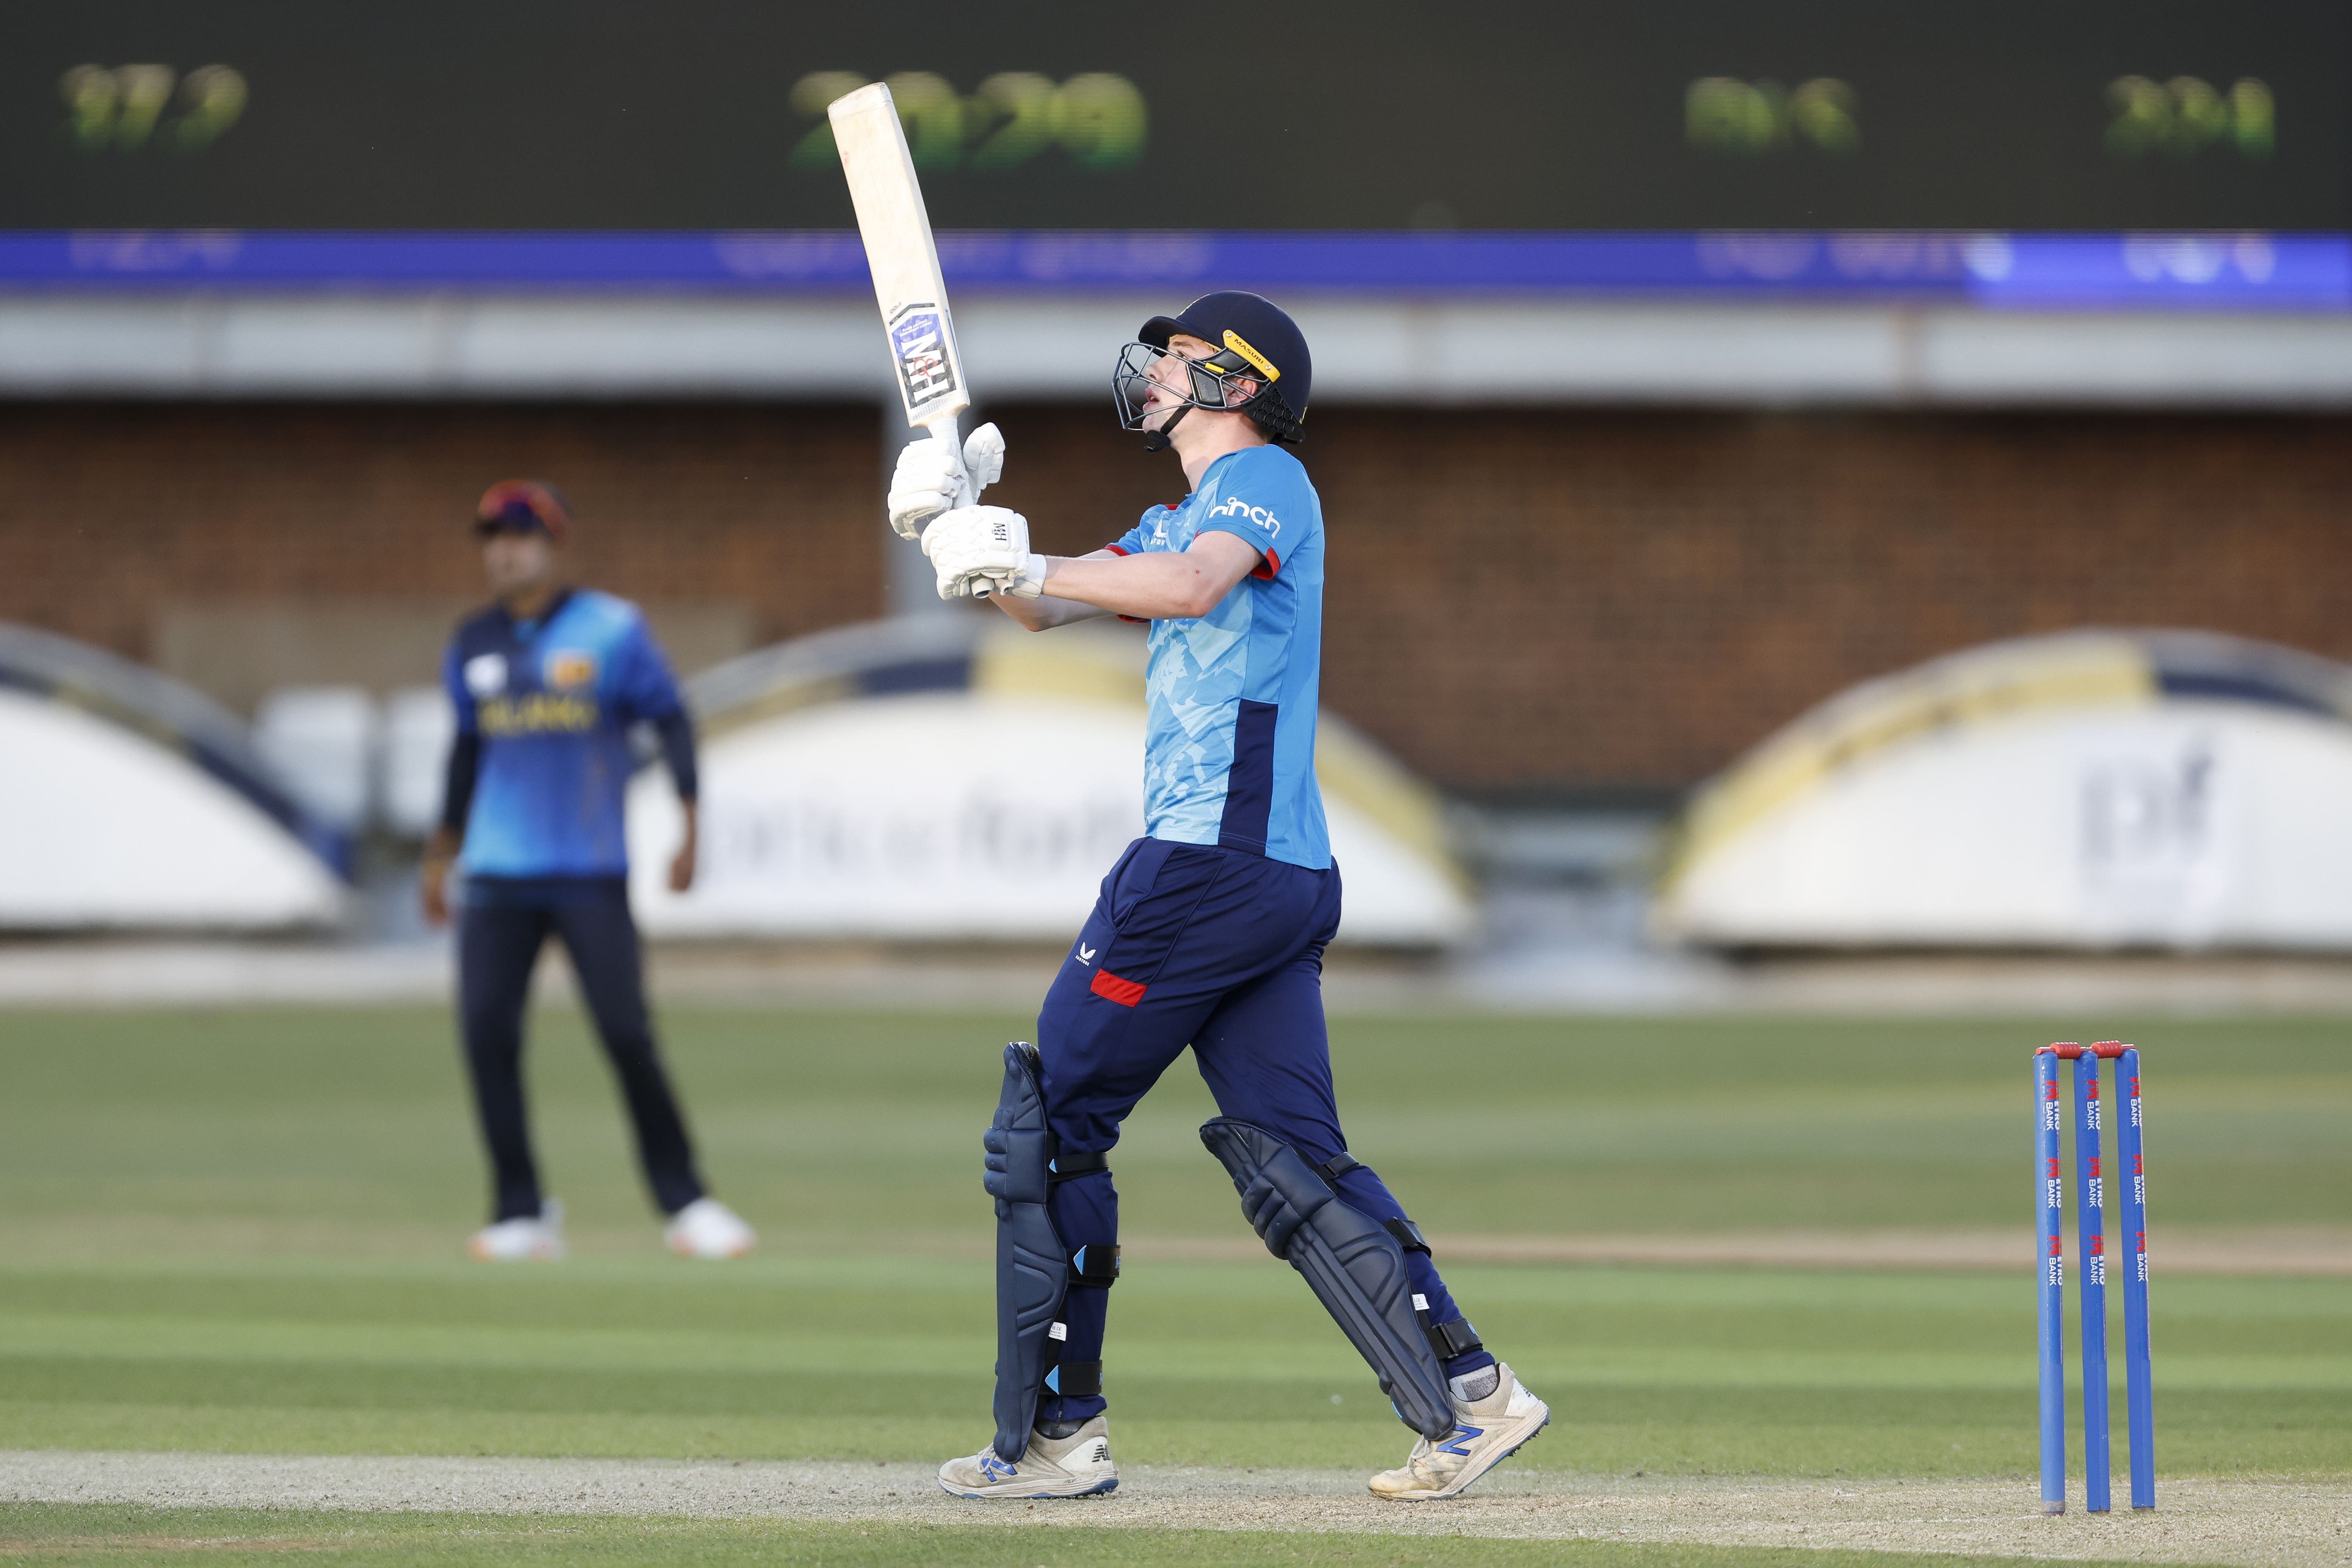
(2090,1225)
(2139,1408)
(2049,1183)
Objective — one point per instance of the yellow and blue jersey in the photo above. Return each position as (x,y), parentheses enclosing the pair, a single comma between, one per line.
(1229,742)
(547,705)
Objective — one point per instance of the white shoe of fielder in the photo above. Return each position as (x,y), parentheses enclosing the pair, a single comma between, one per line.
(708,1228)
(1486,1432)
(525,1241)
(1075,1466)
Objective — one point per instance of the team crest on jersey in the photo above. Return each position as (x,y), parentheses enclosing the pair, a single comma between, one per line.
(568,668)
(486,674)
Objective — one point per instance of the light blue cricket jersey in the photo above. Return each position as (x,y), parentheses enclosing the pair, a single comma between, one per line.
(1229,744)
(552,701)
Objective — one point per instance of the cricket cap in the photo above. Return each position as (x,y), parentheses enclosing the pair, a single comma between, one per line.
(522,505)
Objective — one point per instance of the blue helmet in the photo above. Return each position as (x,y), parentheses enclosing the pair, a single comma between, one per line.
(1257,341)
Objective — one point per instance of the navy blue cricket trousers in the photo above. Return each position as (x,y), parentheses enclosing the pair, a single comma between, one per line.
(504,925)
(1223,951)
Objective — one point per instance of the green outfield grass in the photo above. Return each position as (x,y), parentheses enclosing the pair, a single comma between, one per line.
(239,1231)
(1767,1373)
(222,1538)
(346,1131)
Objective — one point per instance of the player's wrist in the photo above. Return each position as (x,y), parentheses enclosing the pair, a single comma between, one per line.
(1031,583)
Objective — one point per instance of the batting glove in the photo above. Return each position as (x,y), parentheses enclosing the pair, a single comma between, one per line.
(925,482)
(975,542)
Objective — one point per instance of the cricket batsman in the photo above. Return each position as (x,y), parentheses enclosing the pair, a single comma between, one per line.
(1210,930)
(547,683)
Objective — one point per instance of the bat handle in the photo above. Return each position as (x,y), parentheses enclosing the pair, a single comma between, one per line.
(946,433)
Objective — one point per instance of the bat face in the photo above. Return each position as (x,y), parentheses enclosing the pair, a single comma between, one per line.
(901,255)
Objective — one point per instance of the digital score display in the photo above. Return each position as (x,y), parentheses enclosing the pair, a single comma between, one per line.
(1704,114)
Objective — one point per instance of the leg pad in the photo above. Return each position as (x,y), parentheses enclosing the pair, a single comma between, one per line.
(1353,1263)
(1033,1268)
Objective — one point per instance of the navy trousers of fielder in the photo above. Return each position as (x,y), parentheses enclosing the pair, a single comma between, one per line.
(498,937)
(1221,950)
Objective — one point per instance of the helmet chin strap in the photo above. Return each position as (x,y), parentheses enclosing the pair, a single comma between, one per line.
(1157,440)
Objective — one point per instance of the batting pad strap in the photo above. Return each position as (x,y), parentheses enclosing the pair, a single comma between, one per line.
(1408,1236)
(1337,1166)
(1454,1339)
(1095,1266)
(1067,1165)
(1076,1380)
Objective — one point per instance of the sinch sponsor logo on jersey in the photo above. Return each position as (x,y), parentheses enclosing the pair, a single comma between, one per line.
(1256,514)
(538,714)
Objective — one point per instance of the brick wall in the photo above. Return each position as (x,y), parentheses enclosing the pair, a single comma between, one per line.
(1634,598)
(1523,603)
(108,512)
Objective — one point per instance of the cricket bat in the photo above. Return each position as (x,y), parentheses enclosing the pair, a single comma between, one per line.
(905,262)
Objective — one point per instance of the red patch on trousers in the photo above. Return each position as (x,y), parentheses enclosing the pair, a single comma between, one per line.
(1110,988)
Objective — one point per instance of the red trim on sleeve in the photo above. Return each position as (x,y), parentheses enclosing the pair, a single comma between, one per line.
(1112,988)
(1265,569)
(1114,549)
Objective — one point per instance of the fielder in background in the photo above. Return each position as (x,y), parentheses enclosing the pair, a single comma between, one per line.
(548,682)
(1209,933)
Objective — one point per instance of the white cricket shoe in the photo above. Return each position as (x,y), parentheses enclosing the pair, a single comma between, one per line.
(1075,1466)
(1486,1432)
(708,1228)
(524,1240)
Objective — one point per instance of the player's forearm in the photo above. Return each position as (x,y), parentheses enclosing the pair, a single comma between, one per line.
(1148,587)
(1044,613)
(677,732)
(457,786)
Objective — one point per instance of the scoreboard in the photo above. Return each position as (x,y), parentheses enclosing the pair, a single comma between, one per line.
(1477,115)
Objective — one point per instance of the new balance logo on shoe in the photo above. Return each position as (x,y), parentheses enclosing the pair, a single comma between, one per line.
(1463,1436)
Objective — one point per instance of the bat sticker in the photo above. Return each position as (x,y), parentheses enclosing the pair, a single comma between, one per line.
(918,342)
